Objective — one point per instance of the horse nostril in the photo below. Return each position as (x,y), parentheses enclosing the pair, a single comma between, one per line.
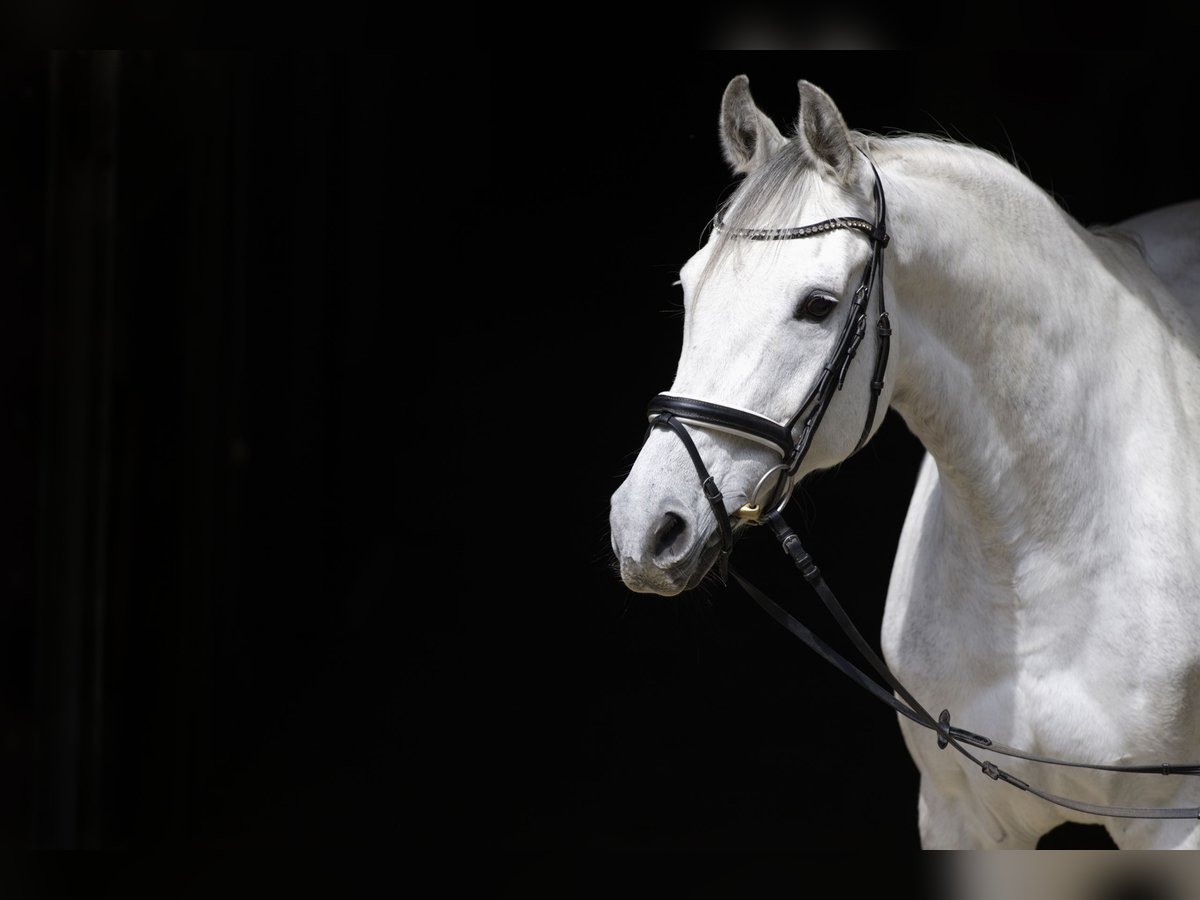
(669,532)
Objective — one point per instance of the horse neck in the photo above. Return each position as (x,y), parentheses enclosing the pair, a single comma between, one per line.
(1042,366)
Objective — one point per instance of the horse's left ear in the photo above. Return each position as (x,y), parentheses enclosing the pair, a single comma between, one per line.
(823,132)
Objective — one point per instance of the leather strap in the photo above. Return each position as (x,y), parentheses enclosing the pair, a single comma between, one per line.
(711,492)
(883,324)
(725,418)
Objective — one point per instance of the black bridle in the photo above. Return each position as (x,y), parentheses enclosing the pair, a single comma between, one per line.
(677,412)
(671,411)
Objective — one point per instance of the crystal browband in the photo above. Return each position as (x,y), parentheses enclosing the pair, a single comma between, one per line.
(787,234)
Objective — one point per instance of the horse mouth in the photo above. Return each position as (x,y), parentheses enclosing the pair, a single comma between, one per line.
(704,559)
(682,575)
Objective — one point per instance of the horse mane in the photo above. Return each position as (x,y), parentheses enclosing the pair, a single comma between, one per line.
(772,195)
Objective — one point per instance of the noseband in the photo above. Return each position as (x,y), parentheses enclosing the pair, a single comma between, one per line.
(677,412)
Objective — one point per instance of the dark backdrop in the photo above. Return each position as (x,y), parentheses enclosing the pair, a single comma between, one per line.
(321,369)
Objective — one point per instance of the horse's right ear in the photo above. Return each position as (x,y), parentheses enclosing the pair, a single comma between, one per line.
(748,137)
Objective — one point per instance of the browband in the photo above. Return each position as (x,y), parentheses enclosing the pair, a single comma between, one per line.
(787,234)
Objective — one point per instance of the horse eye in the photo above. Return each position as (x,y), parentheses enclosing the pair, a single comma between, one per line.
(816,305)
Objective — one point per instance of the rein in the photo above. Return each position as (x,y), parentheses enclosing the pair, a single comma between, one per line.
(910,708)
(676,412)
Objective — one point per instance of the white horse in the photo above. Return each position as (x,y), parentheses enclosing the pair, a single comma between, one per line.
(1046,587)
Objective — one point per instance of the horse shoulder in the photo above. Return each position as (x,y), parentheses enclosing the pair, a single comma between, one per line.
(916,557)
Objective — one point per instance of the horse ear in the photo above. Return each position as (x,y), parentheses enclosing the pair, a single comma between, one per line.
(822,130)
(748,136)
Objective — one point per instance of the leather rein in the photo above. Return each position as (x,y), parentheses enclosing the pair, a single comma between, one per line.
(677,412)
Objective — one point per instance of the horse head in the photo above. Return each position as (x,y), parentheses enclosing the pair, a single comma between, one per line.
(775,308)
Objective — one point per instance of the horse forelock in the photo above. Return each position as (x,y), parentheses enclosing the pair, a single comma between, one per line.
(782,193)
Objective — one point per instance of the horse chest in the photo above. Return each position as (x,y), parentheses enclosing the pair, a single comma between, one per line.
(1050,673)
(956,631)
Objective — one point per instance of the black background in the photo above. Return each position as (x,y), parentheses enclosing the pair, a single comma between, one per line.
(321,370)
